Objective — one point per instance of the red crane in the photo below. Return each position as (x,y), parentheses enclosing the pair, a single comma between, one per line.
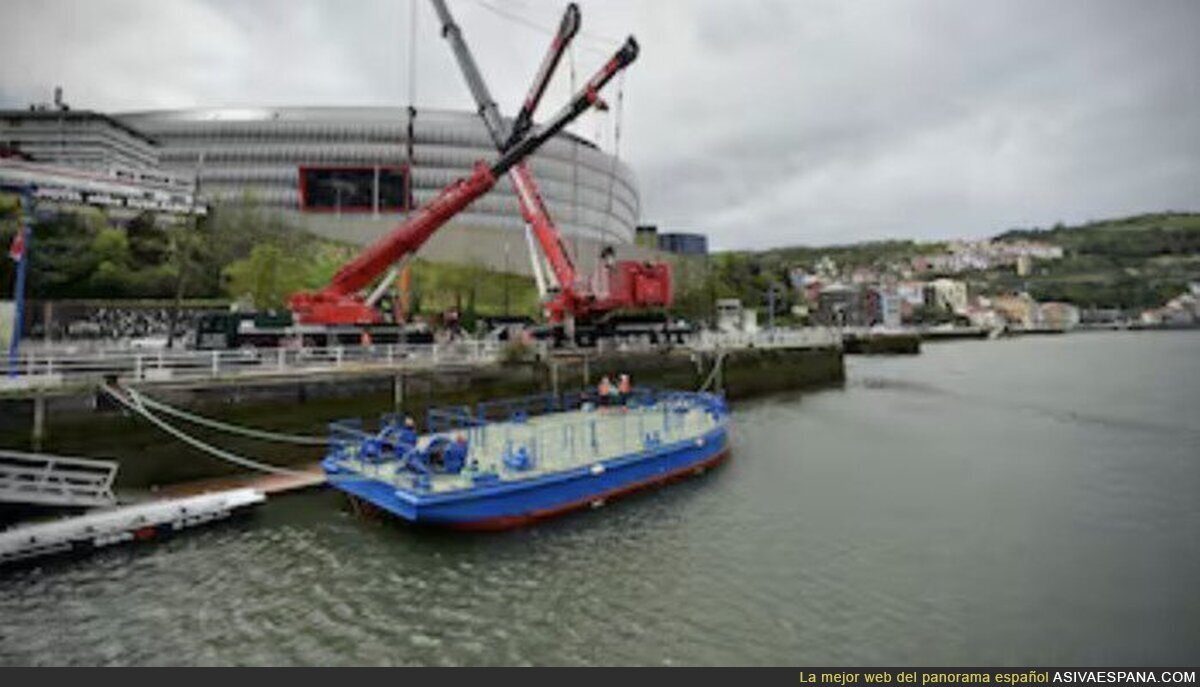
(625,285)
(341,301)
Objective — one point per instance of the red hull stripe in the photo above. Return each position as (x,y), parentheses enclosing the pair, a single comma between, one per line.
(511,521)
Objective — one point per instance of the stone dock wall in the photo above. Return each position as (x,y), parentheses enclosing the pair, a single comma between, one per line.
(86,423)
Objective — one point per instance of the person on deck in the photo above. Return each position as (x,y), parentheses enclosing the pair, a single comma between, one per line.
(408,433)
(624,386)
(604,390)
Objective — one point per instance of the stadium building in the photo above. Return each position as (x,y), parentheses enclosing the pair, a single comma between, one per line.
(350,173)
(76,138)
(67,158)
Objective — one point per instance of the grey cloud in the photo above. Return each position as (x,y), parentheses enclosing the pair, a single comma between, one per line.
(762,123)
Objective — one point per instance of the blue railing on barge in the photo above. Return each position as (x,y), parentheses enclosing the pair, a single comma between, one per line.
(463,417)
(492,465)
(393,440)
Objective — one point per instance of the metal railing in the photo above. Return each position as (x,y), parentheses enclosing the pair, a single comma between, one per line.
(660,422)
(807,337)
(37,369)
(56,480)
(651,420)
(54,367)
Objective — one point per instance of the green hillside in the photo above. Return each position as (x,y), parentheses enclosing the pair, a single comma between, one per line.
(1140,236)
(243,249)
(1129,263)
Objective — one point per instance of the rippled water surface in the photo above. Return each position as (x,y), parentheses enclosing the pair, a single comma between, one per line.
(1023,501)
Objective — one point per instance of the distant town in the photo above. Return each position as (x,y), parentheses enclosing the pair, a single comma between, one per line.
(1132,272)
(910,292)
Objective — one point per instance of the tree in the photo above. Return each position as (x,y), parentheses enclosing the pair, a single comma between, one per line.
(267,276)
(112,274)
(61,258)
(148,243)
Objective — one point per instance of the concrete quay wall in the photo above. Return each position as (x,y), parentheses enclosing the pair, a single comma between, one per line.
(87,423)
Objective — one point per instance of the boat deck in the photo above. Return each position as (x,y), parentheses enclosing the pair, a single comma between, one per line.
(555,443)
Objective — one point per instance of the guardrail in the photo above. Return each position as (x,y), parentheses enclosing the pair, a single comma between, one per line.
(50,368)
(808,337)
(46,369)
(55,480)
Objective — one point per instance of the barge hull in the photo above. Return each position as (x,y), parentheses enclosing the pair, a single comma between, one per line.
(517,504)
(511,522)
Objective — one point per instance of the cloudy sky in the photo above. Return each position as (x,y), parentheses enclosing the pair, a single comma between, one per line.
(761,123)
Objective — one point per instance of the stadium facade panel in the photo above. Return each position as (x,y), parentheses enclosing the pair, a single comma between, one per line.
(356,156)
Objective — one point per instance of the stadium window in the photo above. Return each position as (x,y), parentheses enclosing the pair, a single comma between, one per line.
(352,189)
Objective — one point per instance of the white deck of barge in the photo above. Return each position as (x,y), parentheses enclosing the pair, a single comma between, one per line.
(557,442)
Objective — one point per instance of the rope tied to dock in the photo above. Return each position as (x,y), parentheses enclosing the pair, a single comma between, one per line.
(134,404)
(250,432)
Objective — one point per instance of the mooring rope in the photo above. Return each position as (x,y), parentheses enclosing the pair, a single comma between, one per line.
(251,432)
(136,406)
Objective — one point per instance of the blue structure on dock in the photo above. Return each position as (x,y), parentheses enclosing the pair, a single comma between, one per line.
(506,463)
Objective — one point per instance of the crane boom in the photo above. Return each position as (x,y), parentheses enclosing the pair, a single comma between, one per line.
(339,302)
(567,28)
(533,208)
(625,285)
(466,62)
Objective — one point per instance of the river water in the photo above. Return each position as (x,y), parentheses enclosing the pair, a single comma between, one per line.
(1026,501)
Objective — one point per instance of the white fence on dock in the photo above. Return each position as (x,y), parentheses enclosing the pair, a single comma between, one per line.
(57,366)
(48,369)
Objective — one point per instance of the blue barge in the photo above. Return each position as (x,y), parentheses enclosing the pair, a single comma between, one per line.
(507,463)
